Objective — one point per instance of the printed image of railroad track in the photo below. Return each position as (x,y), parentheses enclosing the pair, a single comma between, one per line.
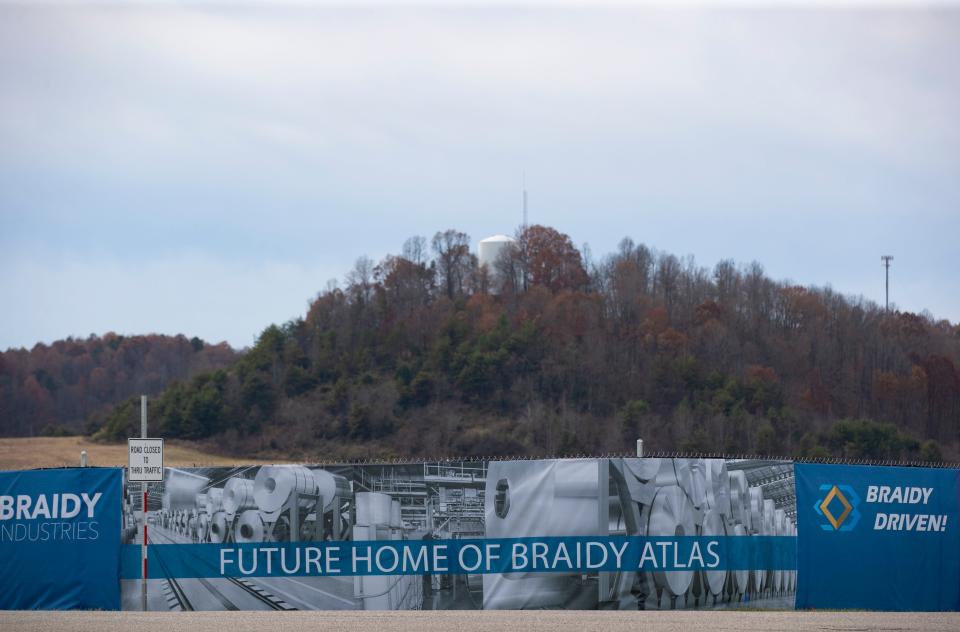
(230,593)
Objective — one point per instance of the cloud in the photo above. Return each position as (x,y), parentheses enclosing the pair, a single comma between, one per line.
(240,140)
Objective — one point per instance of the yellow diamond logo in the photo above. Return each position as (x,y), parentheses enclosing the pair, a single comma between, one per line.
(825,507)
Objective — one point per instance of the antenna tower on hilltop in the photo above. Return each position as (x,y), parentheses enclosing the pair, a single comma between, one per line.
(886,264)
(524,225)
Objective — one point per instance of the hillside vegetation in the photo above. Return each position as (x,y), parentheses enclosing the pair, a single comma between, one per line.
(550,352)
(55,389)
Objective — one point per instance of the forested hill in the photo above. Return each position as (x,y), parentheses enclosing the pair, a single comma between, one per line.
(57,388)
(425,354)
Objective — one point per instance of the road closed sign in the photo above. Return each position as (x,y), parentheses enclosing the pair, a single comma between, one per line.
(145,460)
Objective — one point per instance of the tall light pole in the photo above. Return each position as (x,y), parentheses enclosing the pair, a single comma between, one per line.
(886,264)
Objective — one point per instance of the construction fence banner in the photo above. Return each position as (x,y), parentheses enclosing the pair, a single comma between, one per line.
(60,539)
(572,533)
(608,533)
(878,538)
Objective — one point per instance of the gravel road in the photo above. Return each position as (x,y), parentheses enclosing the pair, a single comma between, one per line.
(462,621)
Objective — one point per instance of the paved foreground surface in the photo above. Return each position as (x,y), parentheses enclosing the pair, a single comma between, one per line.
(461,621)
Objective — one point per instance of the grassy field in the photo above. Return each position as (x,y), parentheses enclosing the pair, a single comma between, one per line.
(30,452)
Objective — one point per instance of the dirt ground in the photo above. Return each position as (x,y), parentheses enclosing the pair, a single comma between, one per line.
(31,452)
(503,621)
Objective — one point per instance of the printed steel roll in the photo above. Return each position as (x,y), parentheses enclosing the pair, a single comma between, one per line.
(780,529)
(789,576)
(718,487)
(238,497)
(688,474)
(713,525)
(203,527)
(214,500)
(331,486)
(694,480)
(740,498)
(769,509)
(276,485)
(793,573)
(741,577)
(250,527)
(671,514)
(756,520)
(201,503)
(644,469)
(756,509)
(769,517)
(540,499)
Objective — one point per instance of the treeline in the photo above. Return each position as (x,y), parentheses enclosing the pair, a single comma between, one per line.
(60,388)
(551,352)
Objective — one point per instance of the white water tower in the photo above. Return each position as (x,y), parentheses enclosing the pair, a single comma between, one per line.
(489,250)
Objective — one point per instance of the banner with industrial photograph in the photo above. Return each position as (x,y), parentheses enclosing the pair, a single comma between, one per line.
(878,538)
(60,539)
(610,533)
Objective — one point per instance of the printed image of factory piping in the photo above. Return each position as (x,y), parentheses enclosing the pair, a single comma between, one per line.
(468,500)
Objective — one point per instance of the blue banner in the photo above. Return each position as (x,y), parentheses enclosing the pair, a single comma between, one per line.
(878,538)
(460,557)
(60,539)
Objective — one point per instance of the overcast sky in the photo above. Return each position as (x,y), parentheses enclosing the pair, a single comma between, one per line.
(206,171)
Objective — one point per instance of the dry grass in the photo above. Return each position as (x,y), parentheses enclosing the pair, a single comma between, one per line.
(31,452)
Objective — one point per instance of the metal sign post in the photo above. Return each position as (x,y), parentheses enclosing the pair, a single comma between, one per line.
(145,466)
(145,487)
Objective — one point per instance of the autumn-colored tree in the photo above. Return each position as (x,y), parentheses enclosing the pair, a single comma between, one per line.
(548,258)
(422,354)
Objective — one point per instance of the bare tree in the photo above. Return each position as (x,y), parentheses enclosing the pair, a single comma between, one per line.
(454,261)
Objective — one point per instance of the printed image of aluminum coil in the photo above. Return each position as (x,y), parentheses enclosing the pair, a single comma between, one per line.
(540,499)
(644,469)
(238,497)
(758,575)
(793,573)
(693,480)
(275,487)
(740,498)
(203,528)
(769,517)
(214,500)
(718,487)
(713,525)
(330,487)
(250,527)
(741,577)
(769,508)
(671,514)
(756,509)
(218,527)
(780,529)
